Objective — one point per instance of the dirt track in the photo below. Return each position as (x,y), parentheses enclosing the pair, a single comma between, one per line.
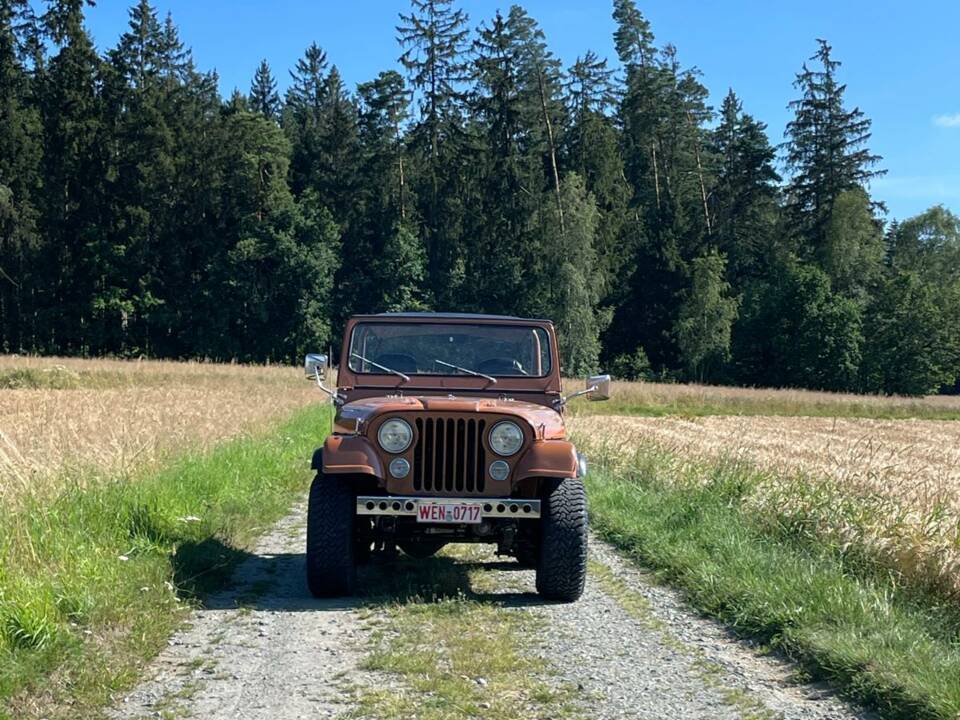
(629,648)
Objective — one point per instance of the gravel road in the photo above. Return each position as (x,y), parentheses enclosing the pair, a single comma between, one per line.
(266,649)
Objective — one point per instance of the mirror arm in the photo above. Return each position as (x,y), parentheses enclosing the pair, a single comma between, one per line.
(334,394)
(560,402)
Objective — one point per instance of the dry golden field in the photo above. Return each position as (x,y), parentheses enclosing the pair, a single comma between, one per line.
(915,461)
(892,485)
(649,398)
(80,419)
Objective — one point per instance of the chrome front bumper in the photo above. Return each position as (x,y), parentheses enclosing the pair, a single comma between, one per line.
(492,507)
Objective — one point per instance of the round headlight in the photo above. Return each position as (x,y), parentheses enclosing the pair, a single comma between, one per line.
(506,438)
(395,435)
(499,470)
(399,467)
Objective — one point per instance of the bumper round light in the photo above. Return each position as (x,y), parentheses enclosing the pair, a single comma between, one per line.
(399,467)
(506,438)
(499,470)
(395,435)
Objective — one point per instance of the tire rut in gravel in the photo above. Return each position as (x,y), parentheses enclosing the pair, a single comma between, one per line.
(264,648)
(636,650)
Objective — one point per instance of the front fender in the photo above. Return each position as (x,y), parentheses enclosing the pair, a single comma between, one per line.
(350,455)
(548,458)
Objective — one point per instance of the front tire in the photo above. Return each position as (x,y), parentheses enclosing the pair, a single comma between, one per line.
(331,545)
(562,566)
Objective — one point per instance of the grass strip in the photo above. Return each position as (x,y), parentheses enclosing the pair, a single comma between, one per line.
(637,606)
(443,653)
(93,582)
(882,643)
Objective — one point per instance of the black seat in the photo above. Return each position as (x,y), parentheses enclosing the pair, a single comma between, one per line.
(500,366)
(398,361)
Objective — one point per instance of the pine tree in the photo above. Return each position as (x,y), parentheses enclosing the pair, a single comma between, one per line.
(592,150)
(384,109)
(494,258)
(142,104)
(336,159)
(263,92)
(826,149)
(401,269)
(434,38)
(666,161)
(303,116)
(74,172)
(275,279)
(384,240)
(139,50)
(20,176)
(744,200)
(589,93)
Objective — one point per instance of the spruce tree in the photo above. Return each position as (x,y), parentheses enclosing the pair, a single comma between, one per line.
(385,240)
(433,36)
(303,116)
(73,226)
(744,200)
(592,150)
(826,149)
(20,176)
(263,92)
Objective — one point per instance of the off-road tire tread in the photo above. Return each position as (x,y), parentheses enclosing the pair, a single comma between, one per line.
(331,546)
(562,568)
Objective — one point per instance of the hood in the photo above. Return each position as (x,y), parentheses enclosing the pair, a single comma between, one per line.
(547,423)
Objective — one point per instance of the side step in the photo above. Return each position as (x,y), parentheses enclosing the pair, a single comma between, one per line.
(491,507)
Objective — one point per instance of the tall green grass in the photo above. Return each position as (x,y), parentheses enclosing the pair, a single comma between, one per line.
(843,618)
(93,581)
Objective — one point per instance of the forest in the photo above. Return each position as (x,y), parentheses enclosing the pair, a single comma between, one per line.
(144,214)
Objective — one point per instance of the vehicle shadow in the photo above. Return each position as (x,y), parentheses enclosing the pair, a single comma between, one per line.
(218,577)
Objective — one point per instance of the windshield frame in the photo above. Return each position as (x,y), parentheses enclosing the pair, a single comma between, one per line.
(543,340)
(356,385)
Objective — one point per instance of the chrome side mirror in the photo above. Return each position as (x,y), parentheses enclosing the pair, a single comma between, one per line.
(315,368)
(313,364)
(598,387)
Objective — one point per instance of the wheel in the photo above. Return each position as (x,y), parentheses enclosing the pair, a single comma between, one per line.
(562,566)
(421,549)
(331,546)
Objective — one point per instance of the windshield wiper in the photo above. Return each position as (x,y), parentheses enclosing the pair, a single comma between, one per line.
(492,379)
(406,378)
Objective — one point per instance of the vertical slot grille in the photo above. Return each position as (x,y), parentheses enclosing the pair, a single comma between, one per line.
(449,455)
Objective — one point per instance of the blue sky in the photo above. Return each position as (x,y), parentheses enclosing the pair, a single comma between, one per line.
(900,59)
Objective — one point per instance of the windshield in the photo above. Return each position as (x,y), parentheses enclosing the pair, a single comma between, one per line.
(449,349)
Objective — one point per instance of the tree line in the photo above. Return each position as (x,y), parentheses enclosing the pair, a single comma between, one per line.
(141,213)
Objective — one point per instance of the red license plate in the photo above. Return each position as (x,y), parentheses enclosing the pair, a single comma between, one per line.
(449,512)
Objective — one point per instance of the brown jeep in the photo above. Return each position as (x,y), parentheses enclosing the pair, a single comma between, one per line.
(448,428)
